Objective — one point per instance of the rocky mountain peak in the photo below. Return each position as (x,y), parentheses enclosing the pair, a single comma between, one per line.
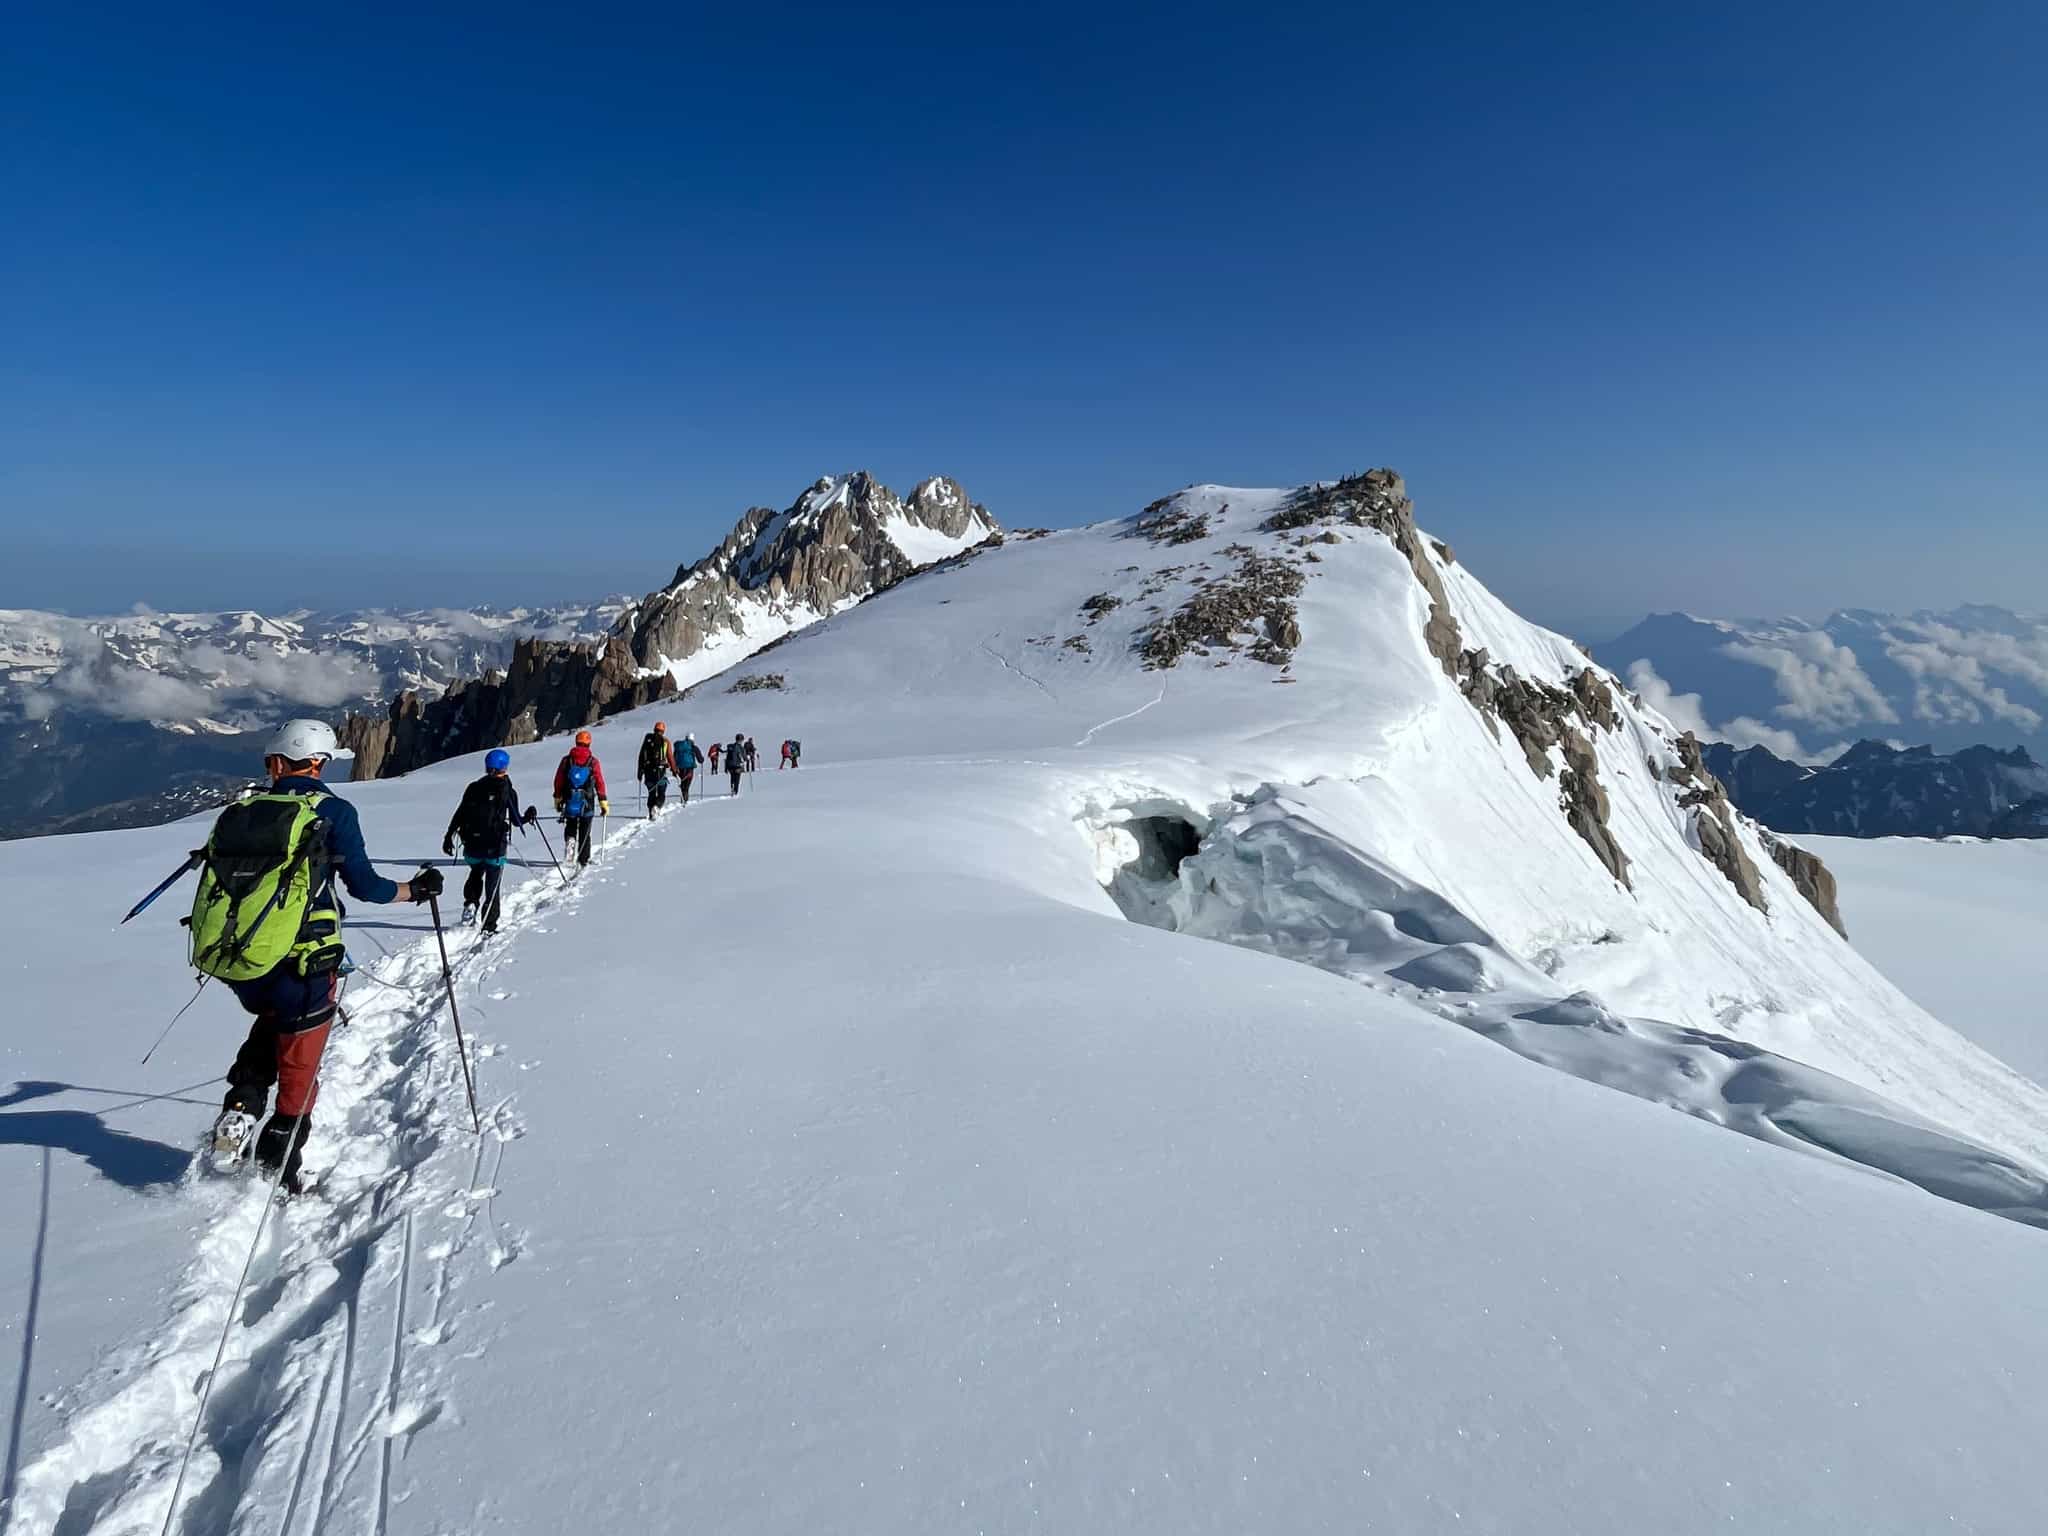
(845,538)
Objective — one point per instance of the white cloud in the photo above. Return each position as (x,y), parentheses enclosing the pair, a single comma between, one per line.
(1820,681)
(1684,711)
(104,686)
(1950,684)
(302,677)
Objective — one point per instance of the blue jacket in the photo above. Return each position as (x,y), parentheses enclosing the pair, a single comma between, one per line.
(347,855)
(687,756)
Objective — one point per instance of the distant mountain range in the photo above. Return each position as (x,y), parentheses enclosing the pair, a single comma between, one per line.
(1967,677)
(1877,790)
(122,720)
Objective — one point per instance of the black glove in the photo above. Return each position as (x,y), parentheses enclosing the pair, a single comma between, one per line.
(532,817)
(448,845)
(426,885)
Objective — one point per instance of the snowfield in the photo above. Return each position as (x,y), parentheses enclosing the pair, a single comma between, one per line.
(1958,923)
(861,1154)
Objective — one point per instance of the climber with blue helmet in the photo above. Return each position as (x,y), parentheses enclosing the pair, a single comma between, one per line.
(484,821)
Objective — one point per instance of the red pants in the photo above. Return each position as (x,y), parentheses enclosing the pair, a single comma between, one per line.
(283,1047)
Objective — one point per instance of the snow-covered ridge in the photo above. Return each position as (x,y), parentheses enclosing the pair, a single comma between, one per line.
(1481,759)
(850,1134)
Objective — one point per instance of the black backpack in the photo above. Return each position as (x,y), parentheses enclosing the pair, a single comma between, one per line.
(486,807)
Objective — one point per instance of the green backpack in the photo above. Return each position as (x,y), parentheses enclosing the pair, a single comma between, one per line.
(255,908)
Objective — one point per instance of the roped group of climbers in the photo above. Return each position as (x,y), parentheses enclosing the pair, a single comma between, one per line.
(660,758)
(267,916)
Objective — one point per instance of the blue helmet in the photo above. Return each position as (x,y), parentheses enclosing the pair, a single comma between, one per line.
(497,760)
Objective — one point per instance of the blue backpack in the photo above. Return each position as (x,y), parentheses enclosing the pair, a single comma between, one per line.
(581,801)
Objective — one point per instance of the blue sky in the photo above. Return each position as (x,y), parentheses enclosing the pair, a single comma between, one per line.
(1738,308)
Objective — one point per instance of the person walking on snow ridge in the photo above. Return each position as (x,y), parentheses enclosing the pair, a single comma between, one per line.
(792,752)
(736,761)
(279,852)
(687,757)
(580,796)
(484,821)
(656,760)
(716,748)
(753,757)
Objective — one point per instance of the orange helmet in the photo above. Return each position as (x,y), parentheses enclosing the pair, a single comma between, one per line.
(583,738)
(659,726)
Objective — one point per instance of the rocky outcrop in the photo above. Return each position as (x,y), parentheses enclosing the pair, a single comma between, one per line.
(1251,608)
(1378,499)
(549,687)
(843,540)
(1714,823)
(1816,882)
(1547,720)
(840,542)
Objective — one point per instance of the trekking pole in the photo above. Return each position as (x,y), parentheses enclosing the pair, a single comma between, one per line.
(448,979)
(192,861)
(543,831)
(160,1039)
(295,1140)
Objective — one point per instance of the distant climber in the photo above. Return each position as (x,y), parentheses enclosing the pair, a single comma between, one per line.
(579,796)
(655,762)
(736,761)
(716,748)
(791,751)
(753,756)
(267,921)
(484,821)
(687,757)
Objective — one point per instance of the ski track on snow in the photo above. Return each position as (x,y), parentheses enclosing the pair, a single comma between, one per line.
(301,1401)
(1120,719)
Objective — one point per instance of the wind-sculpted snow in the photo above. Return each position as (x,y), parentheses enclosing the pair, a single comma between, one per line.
(1273,878)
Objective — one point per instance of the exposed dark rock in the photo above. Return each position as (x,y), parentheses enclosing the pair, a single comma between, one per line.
(1542,717)
(1723,850)
(1378,499)
(1584,803)
(830,545)
(1815,881)
(1100,604)
(756,682)
(1170,520)
(1257,599)
(1714,823)
(549,687)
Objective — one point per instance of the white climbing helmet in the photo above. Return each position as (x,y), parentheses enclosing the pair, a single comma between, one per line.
(303,741)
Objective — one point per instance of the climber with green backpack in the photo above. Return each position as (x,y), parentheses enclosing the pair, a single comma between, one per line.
(267,921)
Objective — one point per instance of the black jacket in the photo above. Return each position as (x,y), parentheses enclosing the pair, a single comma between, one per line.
(484,820)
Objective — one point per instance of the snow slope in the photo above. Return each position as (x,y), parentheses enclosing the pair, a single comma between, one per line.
(1958,925)
(852,1162)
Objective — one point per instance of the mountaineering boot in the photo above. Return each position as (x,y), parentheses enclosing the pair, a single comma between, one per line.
(231,1133)
(281,1142)
(468,913)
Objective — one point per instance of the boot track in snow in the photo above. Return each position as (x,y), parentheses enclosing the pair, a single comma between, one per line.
(341,1352)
